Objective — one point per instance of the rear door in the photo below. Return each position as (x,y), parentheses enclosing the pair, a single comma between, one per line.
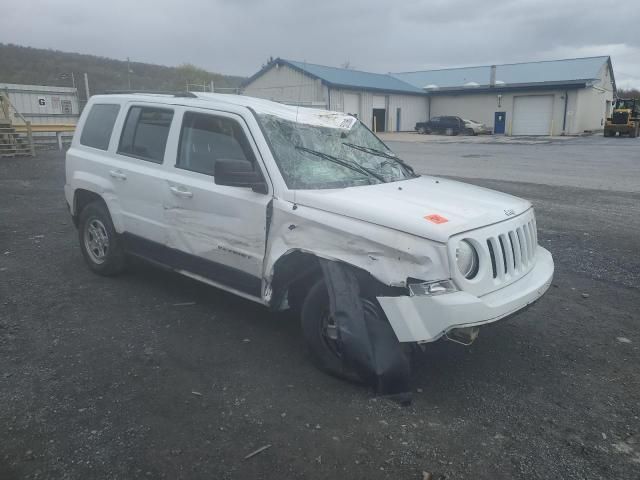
(219,230)
(137,169)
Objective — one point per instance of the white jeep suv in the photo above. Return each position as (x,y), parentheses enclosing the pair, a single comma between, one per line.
(304,209)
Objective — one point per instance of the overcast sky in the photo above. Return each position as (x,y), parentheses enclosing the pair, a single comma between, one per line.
(237,36)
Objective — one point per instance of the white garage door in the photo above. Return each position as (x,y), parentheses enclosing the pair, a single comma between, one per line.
(351,103)
(532,115)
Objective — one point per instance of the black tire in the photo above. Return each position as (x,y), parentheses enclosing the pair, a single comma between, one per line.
(325,352)
(469,131)
(100,244)
(422,130)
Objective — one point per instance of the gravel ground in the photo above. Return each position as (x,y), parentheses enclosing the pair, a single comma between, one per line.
(152,375)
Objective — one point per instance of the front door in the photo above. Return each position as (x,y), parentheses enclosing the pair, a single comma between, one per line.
(499,122)
(219,230)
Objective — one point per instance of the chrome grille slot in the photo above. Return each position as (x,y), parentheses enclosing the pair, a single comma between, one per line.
(517,254)
(524,250)
(492,256)
(507,252)
(499,258)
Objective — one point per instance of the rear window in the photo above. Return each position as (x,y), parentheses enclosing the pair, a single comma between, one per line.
(145,133)
(97,128)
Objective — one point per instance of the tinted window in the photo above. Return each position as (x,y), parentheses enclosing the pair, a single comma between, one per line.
(206,138)
(145,133)
(435,119)
(97,128)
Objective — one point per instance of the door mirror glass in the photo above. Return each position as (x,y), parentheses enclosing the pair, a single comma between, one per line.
(239,173)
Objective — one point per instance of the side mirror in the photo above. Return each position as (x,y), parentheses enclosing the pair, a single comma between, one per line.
(239,173)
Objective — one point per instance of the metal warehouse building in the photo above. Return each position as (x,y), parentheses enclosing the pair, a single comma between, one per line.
(382,102)
(536,98)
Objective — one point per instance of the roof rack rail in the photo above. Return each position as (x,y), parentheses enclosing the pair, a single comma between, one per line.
(157,92)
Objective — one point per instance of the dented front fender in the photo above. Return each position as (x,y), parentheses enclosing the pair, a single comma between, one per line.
(388,255)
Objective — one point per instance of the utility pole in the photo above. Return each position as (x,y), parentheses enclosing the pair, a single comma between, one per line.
(212,89)
(86,85)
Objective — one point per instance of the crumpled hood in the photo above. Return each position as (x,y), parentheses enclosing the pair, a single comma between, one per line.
(450,207)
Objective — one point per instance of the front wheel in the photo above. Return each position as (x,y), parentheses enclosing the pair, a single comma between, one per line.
(100,245)
(320,331)
(469,131)
(422,130)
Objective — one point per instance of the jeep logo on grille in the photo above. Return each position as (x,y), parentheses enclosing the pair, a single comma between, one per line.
(509,212)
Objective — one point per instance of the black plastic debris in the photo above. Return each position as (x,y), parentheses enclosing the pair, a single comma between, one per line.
(368,344)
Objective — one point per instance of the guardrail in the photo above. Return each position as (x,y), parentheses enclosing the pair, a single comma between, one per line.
(59,129)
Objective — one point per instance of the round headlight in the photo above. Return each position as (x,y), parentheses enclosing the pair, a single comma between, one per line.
(467,259)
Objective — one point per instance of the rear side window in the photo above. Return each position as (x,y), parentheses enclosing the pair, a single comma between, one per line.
(98,126)
(145,133)
(206,138)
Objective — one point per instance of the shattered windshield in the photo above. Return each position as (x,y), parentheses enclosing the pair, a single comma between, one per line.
(317,157)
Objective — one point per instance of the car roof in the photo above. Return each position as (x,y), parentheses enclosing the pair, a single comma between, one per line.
(305,115)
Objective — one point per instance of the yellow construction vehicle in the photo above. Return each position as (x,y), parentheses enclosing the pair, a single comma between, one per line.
(625,118)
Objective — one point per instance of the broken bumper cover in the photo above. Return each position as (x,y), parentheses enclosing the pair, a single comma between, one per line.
(427,318)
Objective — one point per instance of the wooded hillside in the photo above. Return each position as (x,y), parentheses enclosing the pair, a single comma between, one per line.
(37,66)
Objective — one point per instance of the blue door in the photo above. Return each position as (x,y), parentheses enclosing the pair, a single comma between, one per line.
(499,122)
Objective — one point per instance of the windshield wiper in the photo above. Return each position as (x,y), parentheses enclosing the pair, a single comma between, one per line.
(350,165)
(380,153)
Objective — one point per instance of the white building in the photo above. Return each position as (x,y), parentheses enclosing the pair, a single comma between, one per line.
(536,98)
(43,105)
(382,102)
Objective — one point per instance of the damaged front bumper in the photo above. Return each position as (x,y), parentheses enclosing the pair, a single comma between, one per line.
(427,318)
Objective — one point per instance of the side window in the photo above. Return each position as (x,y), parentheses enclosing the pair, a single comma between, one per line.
(98,126)
(145,133)
(435,119)
(206,138)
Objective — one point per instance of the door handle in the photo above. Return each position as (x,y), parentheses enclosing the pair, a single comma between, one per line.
(117,174)
(181,192)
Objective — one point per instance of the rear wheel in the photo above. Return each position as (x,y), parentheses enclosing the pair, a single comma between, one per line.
(320,331)
(99,242)
(422,130)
